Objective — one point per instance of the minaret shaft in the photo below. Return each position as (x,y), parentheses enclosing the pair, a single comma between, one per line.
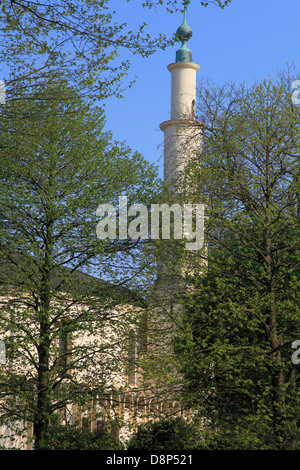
(182,133)
(183,90)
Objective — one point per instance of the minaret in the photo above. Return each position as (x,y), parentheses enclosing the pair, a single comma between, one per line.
(182,142)
(182,133)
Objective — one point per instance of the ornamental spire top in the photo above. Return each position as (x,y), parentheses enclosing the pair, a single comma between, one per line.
(184,33)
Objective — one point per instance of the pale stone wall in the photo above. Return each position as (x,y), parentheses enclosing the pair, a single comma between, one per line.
(112,340)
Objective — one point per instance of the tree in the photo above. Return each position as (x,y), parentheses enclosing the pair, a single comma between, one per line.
(71,437)
(61,286)
(242,315)
(168,434)
(80,41)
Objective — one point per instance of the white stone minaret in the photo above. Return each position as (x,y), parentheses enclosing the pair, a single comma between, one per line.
(182,133)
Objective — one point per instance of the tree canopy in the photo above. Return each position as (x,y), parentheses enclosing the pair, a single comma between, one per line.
(80,41)
(61,286)
(242,315)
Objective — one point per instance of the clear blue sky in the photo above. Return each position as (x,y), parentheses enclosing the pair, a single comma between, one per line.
(250,39)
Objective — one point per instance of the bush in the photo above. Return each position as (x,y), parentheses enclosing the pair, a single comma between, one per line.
(171,434)
(71,437)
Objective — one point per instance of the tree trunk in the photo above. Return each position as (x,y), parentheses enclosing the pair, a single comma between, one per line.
(43,408)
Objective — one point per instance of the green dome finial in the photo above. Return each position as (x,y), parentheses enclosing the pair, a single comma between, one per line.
(184,33)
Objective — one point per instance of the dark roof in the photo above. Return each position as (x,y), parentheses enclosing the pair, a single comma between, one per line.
(24,272)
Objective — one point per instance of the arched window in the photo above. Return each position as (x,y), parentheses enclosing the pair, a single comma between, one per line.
(165,409)
(153,409)
(128,409)
(141,410)
(176,410)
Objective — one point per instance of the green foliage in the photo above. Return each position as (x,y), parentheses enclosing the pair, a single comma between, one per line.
(77,41)
(59,283)
(85,42)
(229,436)
(70,437)
(170,434)
(243,314)
(174,5)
